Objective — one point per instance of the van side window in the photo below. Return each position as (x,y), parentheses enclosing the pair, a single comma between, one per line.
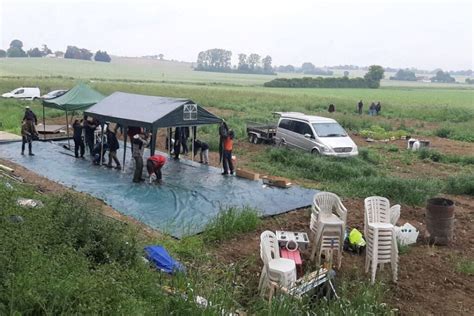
(285,124)
(306,129)
(20,91)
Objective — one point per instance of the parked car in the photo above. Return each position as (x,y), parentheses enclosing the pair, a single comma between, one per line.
(23,93)
(316,134)
(53,94)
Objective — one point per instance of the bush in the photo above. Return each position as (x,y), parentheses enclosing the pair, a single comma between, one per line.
(319,82)
(460,184)
(443,132)
(102,56)
(230,222)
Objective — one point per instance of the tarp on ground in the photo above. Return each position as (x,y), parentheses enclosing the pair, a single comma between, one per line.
(78,98)
(191,196)
(151,112)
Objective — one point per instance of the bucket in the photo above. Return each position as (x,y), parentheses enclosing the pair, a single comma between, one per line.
(440,220)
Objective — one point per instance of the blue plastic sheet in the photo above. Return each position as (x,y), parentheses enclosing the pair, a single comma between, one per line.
(162,260)
(192,194)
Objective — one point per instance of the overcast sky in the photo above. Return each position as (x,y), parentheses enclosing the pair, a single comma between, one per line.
(397,33)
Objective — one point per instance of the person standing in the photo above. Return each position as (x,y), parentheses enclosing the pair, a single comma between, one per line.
(227,154)
(77,137)
(113,147)
(360,105)
(138,146)
(132,131)
(184,139)
(372,109)
(89,129)
(223,133)
(154,165)
(378,108)
(203,151)
(177,142)
(31,121)
(26,138)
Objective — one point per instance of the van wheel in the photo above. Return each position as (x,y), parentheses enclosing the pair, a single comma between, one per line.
(315,152)
(251,138)
(281,143)
(255,140)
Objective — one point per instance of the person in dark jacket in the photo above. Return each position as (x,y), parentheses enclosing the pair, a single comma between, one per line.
(177,141)
(360,105)
(77,137)
(98,153)
(372,109)
(89,129)
(26,138)
(132,131)
(113,147)
(331,108)
(203,149)
(378,108)
(138,146)
(31,120)
(223,133)
(184,139)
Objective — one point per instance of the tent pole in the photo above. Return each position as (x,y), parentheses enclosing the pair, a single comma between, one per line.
(102,144)
(192,144)
(44,125)
(67,131)
(125,130)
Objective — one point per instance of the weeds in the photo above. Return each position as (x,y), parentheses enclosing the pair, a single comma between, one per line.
(460,184)
(465,266)
(230,222)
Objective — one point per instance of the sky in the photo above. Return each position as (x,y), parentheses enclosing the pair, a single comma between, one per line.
(425,34)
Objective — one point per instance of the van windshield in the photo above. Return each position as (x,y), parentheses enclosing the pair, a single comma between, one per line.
(329,130)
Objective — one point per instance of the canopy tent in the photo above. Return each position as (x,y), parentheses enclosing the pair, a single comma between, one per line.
(78,98)
(150,112)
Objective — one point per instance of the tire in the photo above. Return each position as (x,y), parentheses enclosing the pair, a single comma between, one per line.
(251,138)
(315,152)
(255,140)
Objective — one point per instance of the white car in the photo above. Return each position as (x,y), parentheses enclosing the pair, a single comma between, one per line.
(53,94)
(316,134)
(23,93)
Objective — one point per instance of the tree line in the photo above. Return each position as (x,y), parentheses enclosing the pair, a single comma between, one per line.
(371,80)
(220,60)
(72,52)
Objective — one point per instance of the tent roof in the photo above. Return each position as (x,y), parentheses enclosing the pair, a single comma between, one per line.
(78,98)
(150,111)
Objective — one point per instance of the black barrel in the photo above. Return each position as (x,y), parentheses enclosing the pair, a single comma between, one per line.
(440,220)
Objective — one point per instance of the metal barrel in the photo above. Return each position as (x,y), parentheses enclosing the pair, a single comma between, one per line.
(440,220)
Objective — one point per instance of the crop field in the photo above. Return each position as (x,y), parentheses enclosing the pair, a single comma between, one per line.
(220,266)
(122,68)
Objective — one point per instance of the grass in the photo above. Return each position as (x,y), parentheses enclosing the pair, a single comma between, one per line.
(355,177)
(66,258)
(437,156)
(460,184)
(231,222)
(465,266)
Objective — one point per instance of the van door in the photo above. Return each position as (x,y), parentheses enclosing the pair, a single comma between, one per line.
(284,132)
(19,93)
(304,136)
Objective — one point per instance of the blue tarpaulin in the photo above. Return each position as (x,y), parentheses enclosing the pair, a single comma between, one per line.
(192,193)
(162,260)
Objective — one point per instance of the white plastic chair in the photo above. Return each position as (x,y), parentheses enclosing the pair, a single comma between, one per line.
(379,219)
(277,270)
(328,223)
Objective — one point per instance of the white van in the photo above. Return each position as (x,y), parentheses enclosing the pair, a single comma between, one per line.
(316,134)
(23,93)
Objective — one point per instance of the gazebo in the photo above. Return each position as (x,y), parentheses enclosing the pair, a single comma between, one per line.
(150,112)
(78,98)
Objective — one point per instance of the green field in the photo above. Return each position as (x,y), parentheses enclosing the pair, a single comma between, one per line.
(162,71)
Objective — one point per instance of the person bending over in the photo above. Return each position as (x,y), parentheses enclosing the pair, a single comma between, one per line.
(203,149)
(153,166)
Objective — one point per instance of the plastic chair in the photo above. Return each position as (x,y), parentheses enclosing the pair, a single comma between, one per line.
(328,223)
(275,270)
(380,234)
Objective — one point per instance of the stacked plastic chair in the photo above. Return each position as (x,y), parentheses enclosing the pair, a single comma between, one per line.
(328,224)
(379,221)
(275,270)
